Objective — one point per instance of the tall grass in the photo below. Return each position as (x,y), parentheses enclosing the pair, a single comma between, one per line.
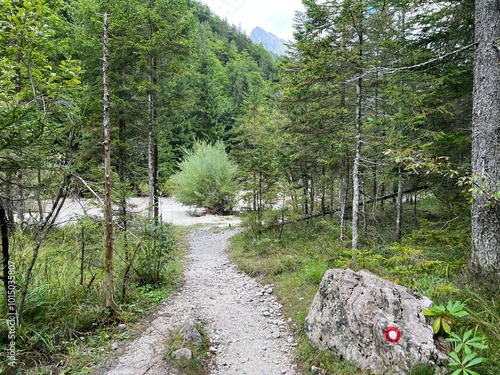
(65,322)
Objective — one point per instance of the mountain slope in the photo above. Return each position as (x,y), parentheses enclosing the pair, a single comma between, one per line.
(271,42)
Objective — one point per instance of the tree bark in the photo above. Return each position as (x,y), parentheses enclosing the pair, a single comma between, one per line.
(108,213)
(486,136)
(343,187)
(152,138)
(357,162)
(122,166)
(151,163)
(399,205)
(4,231)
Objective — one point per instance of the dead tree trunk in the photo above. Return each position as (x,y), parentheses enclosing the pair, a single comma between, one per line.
(4,231)
(357,159)
(108,213)
(152,136)
(399,205)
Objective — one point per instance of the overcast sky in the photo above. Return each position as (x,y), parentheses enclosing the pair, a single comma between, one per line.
(275,16)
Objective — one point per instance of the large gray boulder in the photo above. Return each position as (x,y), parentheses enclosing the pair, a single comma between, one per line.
(372,322)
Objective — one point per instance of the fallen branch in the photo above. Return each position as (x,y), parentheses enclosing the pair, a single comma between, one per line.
(331,212)
(412,67)
(99,199)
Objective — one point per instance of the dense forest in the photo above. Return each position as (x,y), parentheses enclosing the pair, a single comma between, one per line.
(373,141)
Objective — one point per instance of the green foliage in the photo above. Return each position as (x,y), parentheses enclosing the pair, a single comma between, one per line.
(409,264)
(156,250)
(207,178)
(464,355)
(296,262)
(423,369)
(65,321)
(445,316)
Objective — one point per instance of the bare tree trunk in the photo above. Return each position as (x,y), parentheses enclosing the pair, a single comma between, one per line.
(38,193)
(152,152)
(9,210)
(357,162)
(260,201)
(82,259)
(43,229)
(20,197)
(156,185)
(486,136)
(342,205)
(152,138)
(4,232)
(359,143)
(399,205)
(108,210)
(323,190)
(415,211)
(306,195)
(363,204)
(312,194)
(122,166)
(151,163)
(151,157)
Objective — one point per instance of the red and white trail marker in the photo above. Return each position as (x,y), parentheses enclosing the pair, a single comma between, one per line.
(392,334)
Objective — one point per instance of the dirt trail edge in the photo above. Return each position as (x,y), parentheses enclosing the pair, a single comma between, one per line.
(243,318)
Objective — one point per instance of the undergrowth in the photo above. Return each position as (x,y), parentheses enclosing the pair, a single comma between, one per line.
(432,259)
(66,328)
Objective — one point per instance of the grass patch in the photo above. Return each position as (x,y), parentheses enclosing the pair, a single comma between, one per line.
(66,328)
(198,351)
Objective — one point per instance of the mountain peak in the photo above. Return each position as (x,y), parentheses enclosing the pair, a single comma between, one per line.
(271,42)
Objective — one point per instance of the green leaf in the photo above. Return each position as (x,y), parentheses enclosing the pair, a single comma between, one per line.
(450,306)
(478,345)
(471,372)
(460,314)
(454,356)
(457,372)
(467,335)
(446,326)
(477,342)
(436,326)
(475,361)
(429,312)
(469,357)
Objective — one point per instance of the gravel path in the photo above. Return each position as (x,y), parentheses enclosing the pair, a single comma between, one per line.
(247,331)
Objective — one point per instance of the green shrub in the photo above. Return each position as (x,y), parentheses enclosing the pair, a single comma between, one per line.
(207,178)
(156,250)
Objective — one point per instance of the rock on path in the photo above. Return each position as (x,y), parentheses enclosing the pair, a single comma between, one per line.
(248,333)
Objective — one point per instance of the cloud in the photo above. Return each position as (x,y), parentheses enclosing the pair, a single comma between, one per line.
(275,16)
